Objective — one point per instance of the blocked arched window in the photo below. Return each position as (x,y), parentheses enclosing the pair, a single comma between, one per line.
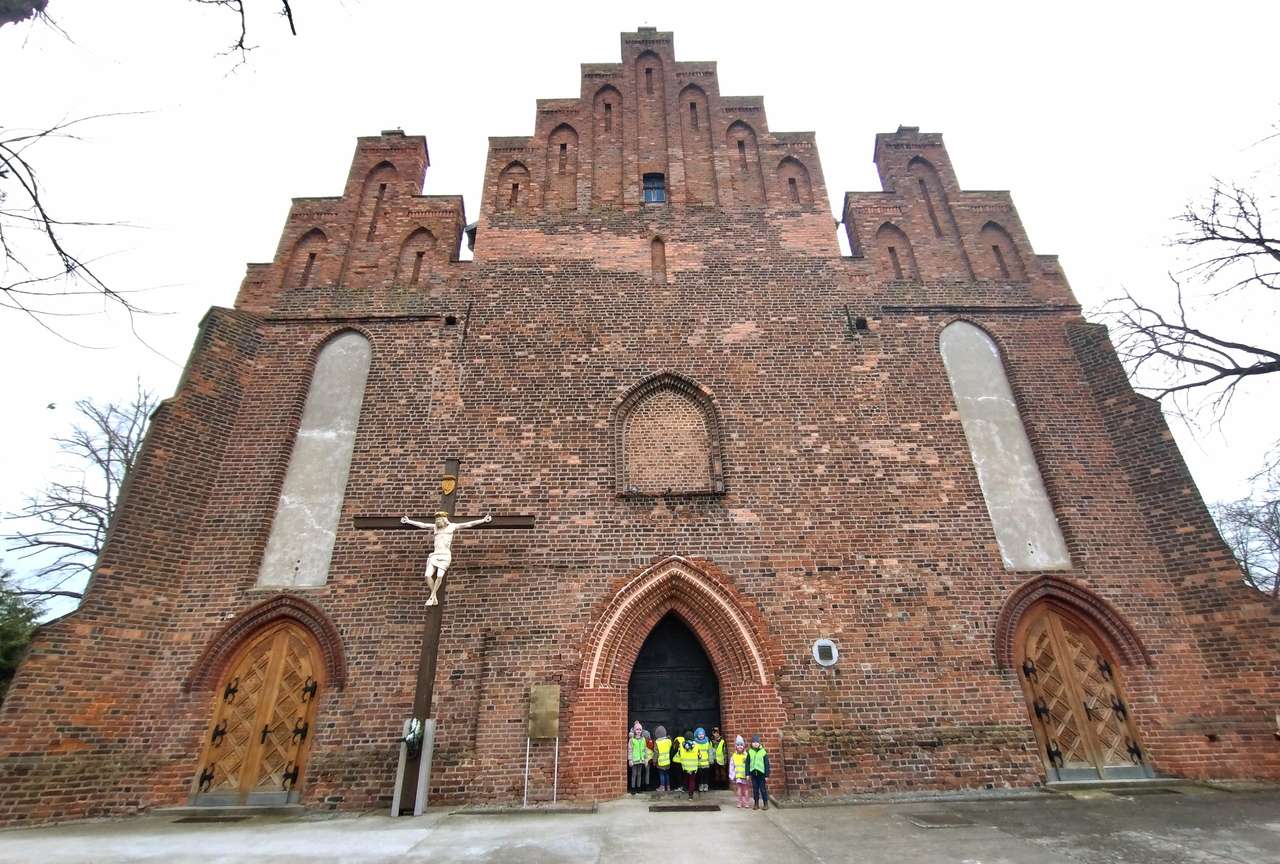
(416,254)
(667,433)
(513,187)
(658,260)
(606,143)
(1026,528)
(306,521)
(999,258)
(896,259)
(378,186)
(793,178)
(744,156)
(307,262)
(562,168)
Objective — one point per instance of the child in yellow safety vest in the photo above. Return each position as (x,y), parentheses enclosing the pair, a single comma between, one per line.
(719,777)
(758,768)
(637,758)
(738,777)
(662,755)
(704,758)
(677,767)
(689,762)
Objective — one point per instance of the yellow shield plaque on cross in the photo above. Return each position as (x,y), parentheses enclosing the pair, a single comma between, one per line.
(448,483)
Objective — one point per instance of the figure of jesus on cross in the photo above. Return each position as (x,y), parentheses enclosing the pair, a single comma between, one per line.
(438,561)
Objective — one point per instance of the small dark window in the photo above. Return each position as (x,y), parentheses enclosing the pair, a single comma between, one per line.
(377,211)
(794,189)
(564,157)
(897,265)
(608,116)
(417,267)
(648,81)
(515,195)
(742,154)
(693,114)
(306,270)
(999,256)
(450,320)
(655,188)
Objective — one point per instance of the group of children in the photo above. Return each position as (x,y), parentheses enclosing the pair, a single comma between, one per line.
(698,760)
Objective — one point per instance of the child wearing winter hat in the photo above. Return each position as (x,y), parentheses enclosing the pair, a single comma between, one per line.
(637,757)
(662,755)
(738,778)
(758,768)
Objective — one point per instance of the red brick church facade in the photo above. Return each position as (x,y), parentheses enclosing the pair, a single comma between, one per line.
(660,353)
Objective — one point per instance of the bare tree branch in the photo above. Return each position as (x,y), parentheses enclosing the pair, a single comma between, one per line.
(1171,353)
(30,234)
(72,518)
(241,44)
(1251,527)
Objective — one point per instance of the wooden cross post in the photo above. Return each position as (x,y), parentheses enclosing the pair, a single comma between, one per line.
(431,627)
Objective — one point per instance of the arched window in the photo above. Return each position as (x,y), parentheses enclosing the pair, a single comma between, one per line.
(797,190)
(562,168)
(306,521)
(1025,526)
(513,187)
(416,257)
(305,262)
(668,439)
(897,260)
(999,254)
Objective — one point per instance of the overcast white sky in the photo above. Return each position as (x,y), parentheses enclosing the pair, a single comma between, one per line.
(1103,119)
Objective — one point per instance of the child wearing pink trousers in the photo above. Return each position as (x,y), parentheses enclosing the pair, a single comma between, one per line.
(738,776)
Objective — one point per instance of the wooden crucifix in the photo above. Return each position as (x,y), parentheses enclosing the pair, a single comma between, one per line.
(435,610)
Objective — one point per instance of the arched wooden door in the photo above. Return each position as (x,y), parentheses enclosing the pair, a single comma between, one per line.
(1076,700)
(263,715)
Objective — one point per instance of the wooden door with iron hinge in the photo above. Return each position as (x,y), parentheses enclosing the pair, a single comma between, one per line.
(263,715)
(1083,725)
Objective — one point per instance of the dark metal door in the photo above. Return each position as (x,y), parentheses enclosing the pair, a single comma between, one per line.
(673,683)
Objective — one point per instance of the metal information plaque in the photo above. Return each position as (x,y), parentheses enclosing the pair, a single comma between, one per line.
(544,711)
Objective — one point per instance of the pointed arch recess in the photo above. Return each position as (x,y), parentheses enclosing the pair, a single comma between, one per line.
(1078,600)
(208,669)
(697,394)
(678,585)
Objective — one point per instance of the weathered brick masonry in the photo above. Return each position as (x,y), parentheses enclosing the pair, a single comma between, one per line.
(576,366)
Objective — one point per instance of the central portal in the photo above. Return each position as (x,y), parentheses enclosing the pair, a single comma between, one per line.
(673,683)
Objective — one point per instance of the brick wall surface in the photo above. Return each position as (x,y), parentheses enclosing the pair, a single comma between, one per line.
(842,500)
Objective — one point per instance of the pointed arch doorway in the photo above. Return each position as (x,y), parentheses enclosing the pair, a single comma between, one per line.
(1076,699)
(673,683)
(263,712)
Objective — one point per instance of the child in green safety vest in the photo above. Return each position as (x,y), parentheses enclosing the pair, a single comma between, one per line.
(689,762)
(758,768)
(637,758)
(738,776)
(662,755)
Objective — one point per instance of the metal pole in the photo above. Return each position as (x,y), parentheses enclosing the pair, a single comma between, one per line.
(526,772)
(555,776)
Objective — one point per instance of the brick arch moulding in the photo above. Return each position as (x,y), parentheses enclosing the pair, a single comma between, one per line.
(706,605)
(1077,599)
(208,668)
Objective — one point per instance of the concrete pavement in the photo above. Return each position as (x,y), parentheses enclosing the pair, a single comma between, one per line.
(1194,824)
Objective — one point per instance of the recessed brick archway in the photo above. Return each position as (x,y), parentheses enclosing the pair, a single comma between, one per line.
(731,630)
(282,607)
(1075,598)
